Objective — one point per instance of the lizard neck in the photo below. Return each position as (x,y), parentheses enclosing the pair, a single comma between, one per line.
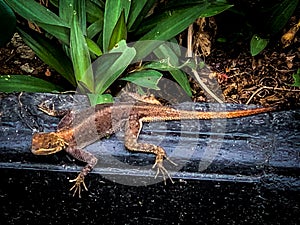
(66,134)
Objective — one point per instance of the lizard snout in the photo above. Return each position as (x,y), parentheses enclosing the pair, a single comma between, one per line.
(47,143)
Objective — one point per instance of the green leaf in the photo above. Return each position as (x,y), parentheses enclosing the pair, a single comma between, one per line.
(42,16)
(100,99)
(280,14)
(65,9)
(167,25)
(79,7)
(99,3)
(119,33)
(50,53)
(165,51)
(61,33)
(182,79)
(161,65)
(178,14)
(8,27)
(145,78)
(35,12)
(18,83)
(113,10)
(93,47)
(100,67)
(296,77)
(54,2)
(138,11)
(95,28)
(257,44)
(213,7)
(80,56)
(94,11)
(107,71)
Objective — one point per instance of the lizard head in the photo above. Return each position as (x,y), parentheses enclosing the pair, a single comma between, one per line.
(47,143)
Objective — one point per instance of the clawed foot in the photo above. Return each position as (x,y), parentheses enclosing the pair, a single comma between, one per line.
(77,186)
(161,169)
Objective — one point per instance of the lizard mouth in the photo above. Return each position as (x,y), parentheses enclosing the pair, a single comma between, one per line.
(47,143)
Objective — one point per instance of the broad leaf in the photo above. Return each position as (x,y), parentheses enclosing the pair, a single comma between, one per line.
(42,16)
(68,7)
(80,56)
(107,71)
(145,78)
(296,77)
(161,65)
(94,11)
(95,28)
(65,9)
(113,10)
(61,33)
(213,7)
(182,79)
(119,33)
(79,7)
(167,25)
(257,44)
(100,99)
(93,47)
(8,25)
(103,76)
(35,12)
(166,52)
(18,83)
(138,11)
(279,15)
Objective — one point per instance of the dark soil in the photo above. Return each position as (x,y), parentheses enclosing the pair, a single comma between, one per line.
(18,58)
(264,79)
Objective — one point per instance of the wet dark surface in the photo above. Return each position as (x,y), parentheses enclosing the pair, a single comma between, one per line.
(42,197)
(244,171)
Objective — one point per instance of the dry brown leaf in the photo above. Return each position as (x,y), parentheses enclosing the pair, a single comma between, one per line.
(205,34)
(289,36)
(289,61)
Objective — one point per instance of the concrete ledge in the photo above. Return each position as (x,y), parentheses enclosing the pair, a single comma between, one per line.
(252,178)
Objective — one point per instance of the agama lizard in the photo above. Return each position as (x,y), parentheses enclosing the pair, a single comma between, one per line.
(75,131)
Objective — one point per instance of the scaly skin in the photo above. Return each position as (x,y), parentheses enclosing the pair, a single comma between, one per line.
(78,130)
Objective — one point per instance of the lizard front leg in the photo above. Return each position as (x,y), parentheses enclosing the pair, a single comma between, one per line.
(91,161)
(132,131)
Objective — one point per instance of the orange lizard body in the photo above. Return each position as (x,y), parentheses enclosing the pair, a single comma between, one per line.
(78,130)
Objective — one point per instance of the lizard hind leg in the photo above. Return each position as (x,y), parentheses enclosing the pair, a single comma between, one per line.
(131,136)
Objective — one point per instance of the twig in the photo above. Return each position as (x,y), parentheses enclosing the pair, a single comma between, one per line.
(204,86)
(189,52)
(269,88)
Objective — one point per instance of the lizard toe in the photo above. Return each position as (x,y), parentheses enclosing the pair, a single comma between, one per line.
(79,180)
(163,171)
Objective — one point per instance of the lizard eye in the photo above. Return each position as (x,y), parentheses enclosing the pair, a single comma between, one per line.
(60,144)
(48,145)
